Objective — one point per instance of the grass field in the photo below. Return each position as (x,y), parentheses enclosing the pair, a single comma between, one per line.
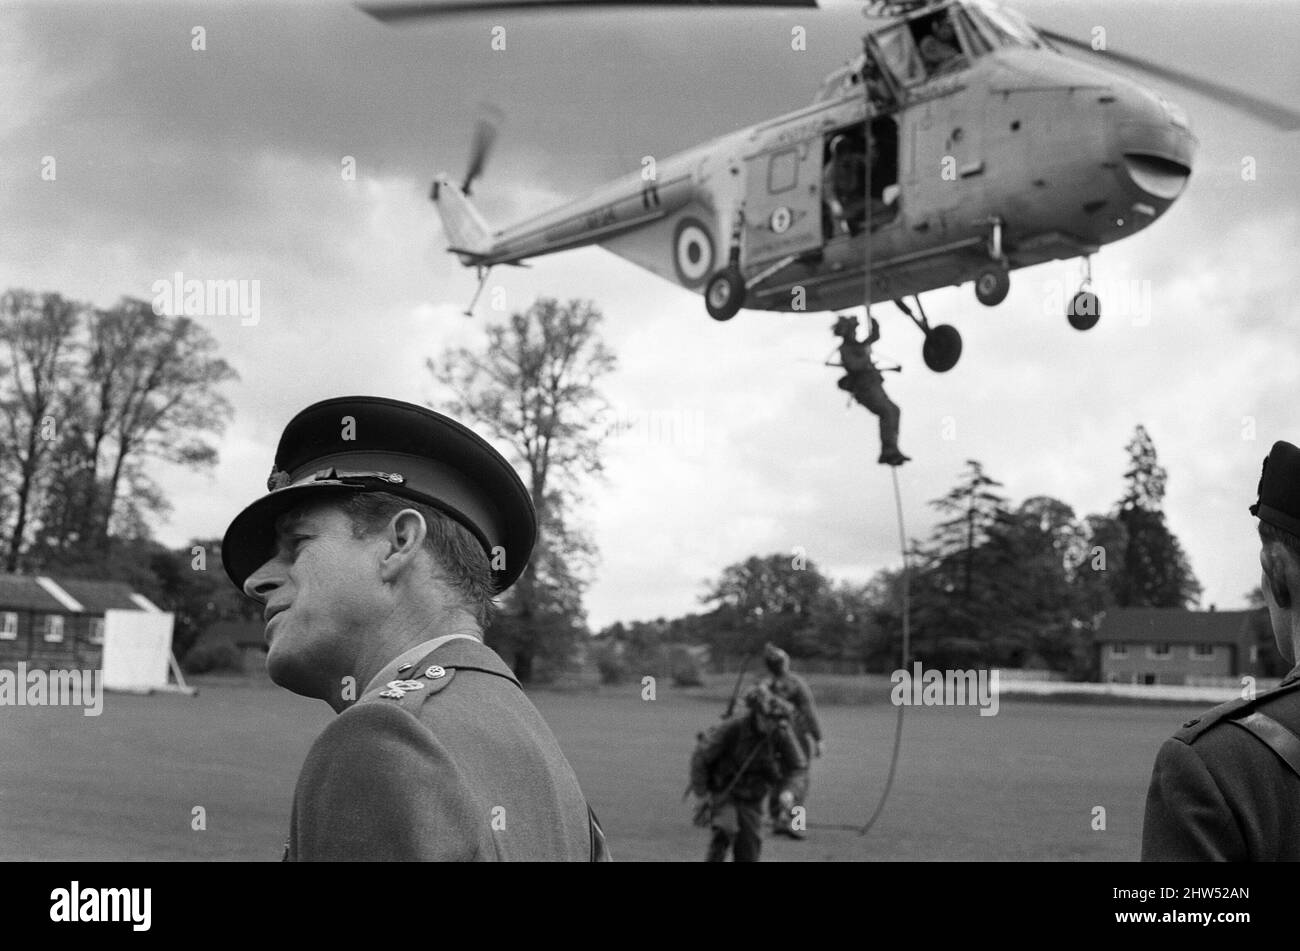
(1017,786)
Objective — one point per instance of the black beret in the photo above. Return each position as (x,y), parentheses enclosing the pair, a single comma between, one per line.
(1279,489)
(369,444)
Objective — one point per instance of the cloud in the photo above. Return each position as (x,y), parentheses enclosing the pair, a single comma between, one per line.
(227,163)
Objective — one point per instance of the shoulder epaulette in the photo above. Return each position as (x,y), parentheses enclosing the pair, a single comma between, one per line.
(1231,710)
(423,680)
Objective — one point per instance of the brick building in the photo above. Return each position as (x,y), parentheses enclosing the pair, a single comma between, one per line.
(58,623)
(1169,646)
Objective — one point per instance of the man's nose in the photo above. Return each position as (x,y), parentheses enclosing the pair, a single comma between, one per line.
(263,581)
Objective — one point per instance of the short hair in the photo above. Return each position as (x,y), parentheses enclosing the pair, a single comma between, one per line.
(1269,533)
(459,555)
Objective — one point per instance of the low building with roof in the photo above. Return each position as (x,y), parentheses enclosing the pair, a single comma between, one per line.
(1171,646)
(50,623)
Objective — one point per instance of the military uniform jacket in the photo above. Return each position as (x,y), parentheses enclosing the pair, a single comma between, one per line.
(793,689)
(1220,793)
(450,763)
(729,750)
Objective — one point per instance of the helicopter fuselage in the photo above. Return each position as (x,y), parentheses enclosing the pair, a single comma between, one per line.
(1023,156)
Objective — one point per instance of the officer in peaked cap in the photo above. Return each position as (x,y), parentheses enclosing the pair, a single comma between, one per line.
(1227,786)
(386,533)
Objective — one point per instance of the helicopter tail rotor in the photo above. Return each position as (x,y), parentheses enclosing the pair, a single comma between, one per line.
(485,136)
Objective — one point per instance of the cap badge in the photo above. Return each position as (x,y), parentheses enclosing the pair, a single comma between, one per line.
(278,479)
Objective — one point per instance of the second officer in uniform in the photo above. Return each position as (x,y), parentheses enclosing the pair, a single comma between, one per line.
(1227,786)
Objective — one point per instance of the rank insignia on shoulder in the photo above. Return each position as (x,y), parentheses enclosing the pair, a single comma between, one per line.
(393,694)
(435,672)
(404,685)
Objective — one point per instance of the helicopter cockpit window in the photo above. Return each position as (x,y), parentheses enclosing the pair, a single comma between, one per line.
(938,43)
(972,39)
(1002,27)
(899,55)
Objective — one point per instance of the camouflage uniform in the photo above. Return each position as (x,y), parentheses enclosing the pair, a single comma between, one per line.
(738,768)
(807,730)
(867,385)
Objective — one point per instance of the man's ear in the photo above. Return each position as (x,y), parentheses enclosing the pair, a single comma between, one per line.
(1274,560)
(405,534)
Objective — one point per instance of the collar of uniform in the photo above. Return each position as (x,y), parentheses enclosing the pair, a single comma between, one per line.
(393,669)
(473,654)
(1292,677)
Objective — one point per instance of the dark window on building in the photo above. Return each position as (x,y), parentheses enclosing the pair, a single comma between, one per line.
(54,628)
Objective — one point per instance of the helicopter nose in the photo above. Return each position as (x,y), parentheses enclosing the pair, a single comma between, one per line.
(1156,146)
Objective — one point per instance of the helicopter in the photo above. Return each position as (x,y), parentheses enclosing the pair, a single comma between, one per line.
(960,145)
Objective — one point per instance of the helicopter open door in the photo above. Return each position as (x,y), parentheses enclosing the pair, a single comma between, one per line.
(783,202)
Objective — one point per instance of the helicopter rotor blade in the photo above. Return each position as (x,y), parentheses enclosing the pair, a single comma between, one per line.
(426,9)
(485,135)
(1275,115)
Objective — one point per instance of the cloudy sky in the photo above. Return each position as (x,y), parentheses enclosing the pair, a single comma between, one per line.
(225,164)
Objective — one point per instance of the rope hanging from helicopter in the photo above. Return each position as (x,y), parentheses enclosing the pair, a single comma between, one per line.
(902,532)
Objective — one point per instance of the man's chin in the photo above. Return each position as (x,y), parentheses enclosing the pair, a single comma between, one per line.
(286,670)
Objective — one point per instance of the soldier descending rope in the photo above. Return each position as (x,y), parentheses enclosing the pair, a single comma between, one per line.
(865,382)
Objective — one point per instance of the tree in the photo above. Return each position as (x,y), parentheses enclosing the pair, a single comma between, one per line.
(975,513)
(884,604)
(35,348)
(962,578)
(1051,548)
(773,598)
(191,584)
(535,387)
(110,391)
(1155,572)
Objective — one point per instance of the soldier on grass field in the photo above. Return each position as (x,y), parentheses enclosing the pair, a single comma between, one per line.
(387,532)
(807,730)
(737,768)
(1226,787)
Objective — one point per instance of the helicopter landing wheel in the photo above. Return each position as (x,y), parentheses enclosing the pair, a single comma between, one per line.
(942,348)
(992,285)
(725,293)
(1084,310)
